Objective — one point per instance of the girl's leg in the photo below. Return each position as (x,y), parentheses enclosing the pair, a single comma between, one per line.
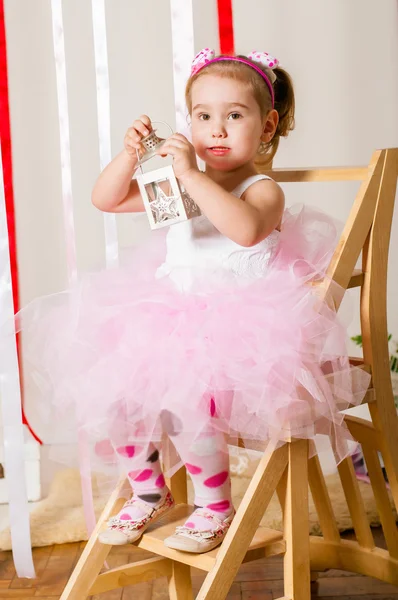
(150,500)
(146,478)
(207,461)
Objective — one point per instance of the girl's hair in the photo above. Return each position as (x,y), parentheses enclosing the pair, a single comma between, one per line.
(284,98)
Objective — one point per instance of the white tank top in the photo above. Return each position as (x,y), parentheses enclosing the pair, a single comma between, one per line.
(197,244)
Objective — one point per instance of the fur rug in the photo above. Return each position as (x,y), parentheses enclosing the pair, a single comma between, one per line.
(59,518)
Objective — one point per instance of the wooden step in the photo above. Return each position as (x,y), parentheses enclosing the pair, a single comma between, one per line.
(266,542)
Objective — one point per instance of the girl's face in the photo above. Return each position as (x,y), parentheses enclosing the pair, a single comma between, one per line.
(226,122)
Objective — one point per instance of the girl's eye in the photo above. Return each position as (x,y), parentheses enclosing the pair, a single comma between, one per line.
(204,117)
(234,116)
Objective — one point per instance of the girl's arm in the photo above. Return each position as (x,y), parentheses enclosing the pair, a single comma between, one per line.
(115,190)
(247,220)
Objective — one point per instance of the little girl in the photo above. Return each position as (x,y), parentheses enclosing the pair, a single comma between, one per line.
(224,334)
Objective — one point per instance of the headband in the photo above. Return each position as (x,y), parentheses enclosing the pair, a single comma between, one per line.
(207,56)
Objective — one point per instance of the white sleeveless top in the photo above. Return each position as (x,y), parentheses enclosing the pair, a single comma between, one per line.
(197,244)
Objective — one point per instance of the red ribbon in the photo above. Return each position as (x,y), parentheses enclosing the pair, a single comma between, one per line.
(5,137)
(226,27)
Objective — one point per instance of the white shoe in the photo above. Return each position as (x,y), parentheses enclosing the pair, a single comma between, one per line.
(120,532)
(199,541)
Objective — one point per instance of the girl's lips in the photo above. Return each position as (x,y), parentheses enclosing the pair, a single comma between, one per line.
(219,150)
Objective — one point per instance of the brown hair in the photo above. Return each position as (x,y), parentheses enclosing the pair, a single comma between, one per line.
(283,91)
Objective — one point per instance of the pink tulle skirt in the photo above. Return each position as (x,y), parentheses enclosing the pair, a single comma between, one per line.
(127,356)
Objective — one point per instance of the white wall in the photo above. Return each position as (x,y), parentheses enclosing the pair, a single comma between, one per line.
(342,55)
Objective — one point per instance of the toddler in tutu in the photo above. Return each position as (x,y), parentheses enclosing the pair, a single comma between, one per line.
(223,334)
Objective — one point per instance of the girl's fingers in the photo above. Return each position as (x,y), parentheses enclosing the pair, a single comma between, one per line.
(167,151)
(147,121)
(174,144)
(141,128)
(133,136)
(133,143)
(179,136)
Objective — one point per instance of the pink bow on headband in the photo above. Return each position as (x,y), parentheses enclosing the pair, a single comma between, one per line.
(264,59)
(206,55)
(201,59)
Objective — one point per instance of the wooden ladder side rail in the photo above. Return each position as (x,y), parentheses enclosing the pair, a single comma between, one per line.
(323,505)
(94,554)
(355,232)
(373,309)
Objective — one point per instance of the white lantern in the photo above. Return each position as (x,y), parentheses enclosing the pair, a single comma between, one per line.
(165,199)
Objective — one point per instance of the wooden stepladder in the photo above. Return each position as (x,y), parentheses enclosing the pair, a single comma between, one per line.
(287,469)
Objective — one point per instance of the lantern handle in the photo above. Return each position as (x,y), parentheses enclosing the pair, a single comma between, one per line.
(164,123)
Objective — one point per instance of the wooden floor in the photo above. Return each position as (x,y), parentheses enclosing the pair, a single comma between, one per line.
(260,580)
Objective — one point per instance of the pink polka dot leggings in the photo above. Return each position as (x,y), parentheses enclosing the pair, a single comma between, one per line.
(206,460)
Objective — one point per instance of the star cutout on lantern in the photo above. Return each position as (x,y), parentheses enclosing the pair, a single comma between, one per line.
(163,207)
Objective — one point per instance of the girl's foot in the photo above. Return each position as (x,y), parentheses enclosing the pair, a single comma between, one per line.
(124,530)
(189,538)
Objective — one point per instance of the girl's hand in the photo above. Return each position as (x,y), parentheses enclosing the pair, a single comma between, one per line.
(140,129)
(183,153)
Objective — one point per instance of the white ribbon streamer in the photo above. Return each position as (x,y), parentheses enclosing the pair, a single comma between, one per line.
(67,200)
(104,125)
(183,52)
(63,113)
(10,398)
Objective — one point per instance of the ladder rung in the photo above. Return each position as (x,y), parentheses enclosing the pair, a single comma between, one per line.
(319,174)
(358,362)
(356,279)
